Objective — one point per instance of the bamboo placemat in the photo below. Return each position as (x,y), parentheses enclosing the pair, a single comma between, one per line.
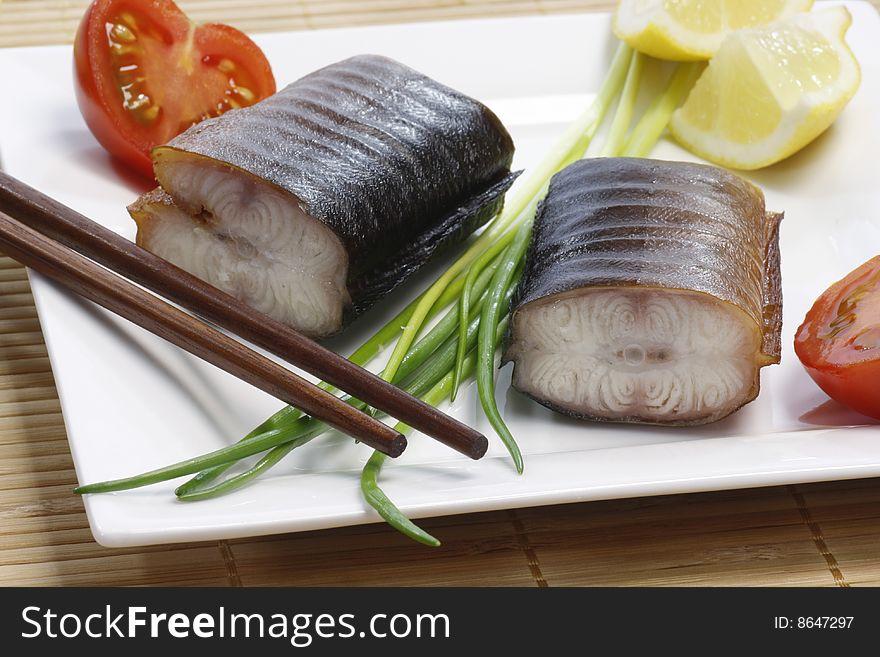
(817,535)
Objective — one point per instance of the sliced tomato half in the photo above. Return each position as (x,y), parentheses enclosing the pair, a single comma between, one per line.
(839,341)
(144,73)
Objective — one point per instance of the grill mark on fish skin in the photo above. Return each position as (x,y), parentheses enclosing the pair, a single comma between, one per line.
(659,251)
(683,187)
(325,96)
(661,211)
(417,105)
(260,140)
(622,213)
(404,111)
(610,226)
(710,207)
(358,131)
(673,246)
(650,215)
(340,85)
(413,99)
(712,213)
(321,122)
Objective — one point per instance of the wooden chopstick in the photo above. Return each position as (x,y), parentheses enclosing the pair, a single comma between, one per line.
(94,282)
(102,245)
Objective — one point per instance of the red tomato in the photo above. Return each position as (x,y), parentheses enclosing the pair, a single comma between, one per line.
(144,73)
(839,341)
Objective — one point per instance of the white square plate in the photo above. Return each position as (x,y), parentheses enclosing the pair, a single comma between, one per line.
(132,402)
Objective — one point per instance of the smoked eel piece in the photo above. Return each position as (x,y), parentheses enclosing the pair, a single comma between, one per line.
(651,293)
(314,203)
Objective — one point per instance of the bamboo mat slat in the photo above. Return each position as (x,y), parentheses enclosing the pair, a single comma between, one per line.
(57,19)
(755,538)
(807,535)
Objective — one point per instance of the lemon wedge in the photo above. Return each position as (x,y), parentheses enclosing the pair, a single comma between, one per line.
(770,91)
(687,30)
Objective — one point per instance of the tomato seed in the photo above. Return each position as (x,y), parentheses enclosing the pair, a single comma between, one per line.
(246,94)
(120,32)
(151,113)
(139,102)
(129,20)
(120,49)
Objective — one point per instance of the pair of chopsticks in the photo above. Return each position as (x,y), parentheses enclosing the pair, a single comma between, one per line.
(82,255)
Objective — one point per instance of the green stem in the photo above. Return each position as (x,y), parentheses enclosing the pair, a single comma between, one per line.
(444,358)
(283,420)
(373,493)
(195,489)
(655,119)
(377,499)
(236,452)
(371,348)
(623,115)
(492,313)
(440,332)
(477,268)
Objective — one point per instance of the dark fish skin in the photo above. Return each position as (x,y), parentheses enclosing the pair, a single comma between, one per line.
(452,229)
(673,225)
(397,165)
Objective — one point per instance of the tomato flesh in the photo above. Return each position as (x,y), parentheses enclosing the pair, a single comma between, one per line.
(839,340)
(144,73)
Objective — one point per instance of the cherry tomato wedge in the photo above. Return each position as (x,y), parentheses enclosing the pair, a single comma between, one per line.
(144,73)
(839,341)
